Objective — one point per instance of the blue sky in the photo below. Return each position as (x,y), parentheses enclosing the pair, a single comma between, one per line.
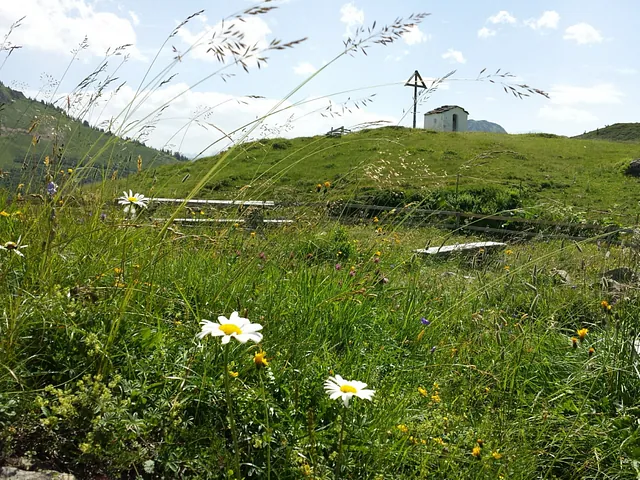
(581,52)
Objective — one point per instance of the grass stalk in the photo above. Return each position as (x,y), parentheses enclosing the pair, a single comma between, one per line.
(230,414)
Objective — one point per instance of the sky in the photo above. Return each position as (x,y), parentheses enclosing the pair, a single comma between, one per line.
(169,87)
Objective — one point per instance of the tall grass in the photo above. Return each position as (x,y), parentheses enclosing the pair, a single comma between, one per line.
(472,359)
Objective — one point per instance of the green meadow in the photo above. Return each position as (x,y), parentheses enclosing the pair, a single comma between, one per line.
(471,357)
(546,176)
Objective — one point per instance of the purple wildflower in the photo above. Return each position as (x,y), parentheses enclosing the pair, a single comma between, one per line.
(433,349)
(52,189)
(425,321)
(338,266)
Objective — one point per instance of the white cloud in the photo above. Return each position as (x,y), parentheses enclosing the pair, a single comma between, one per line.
(485,32)
(549,19)
(583,34)
(304,68)
(566,114)
(502,17)
(254,29)
(134,18)
(396,58)
(58,26)
(600,94)
(415,36)
(627,71)
(455,56)
(352,17)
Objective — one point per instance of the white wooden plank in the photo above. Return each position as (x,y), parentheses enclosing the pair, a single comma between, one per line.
(460,247)
(250,203)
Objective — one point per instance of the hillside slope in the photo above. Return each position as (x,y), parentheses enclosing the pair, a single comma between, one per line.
(31,130)
(618,132)
(397,165)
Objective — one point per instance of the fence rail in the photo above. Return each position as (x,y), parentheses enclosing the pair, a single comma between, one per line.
(535,225)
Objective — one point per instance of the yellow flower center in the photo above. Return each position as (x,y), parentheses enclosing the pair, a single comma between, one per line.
(230,329)
(132,199)
(347,389)
(10,245)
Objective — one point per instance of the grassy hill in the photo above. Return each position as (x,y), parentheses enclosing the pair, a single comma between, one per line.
(31,130)
(550,175)
(618,132)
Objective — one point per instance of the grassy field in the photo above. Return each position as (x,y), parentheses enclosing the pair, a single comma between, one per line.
(471,358)
(554,177)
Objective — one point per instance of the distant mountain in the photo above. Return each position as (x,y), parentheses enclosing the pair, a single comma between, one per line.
(33,133)
(484,126)
(618,132)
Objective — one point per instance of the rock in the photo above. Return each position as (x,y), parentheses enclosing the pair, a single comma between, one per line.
(562,275)
(14,473)
(622,274)
(634,168)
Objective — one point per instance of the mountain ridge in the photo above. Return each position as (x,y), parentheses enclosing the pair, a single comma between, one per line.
(484,126)
(618,132)
(39,141)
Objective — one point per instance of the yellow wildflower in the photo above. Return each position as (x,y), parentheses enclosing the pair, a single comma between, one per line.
(476,452)
(70,171)
(375,220)
(574,342)
(117,271)
(233,374)
(5,214)
(327,184)
(496,455)
(605,305)
(422,391)
(260,359)
(403,428)
(508,252)
(582,333)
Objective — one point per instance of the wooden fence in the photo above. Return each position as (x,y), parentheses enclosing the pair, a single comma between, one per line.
(449,219)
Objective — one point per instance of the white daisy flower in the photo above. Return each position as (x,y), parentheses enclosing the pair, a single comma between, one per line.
(130,199)
(13,247)
(337,387)
(233,327)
